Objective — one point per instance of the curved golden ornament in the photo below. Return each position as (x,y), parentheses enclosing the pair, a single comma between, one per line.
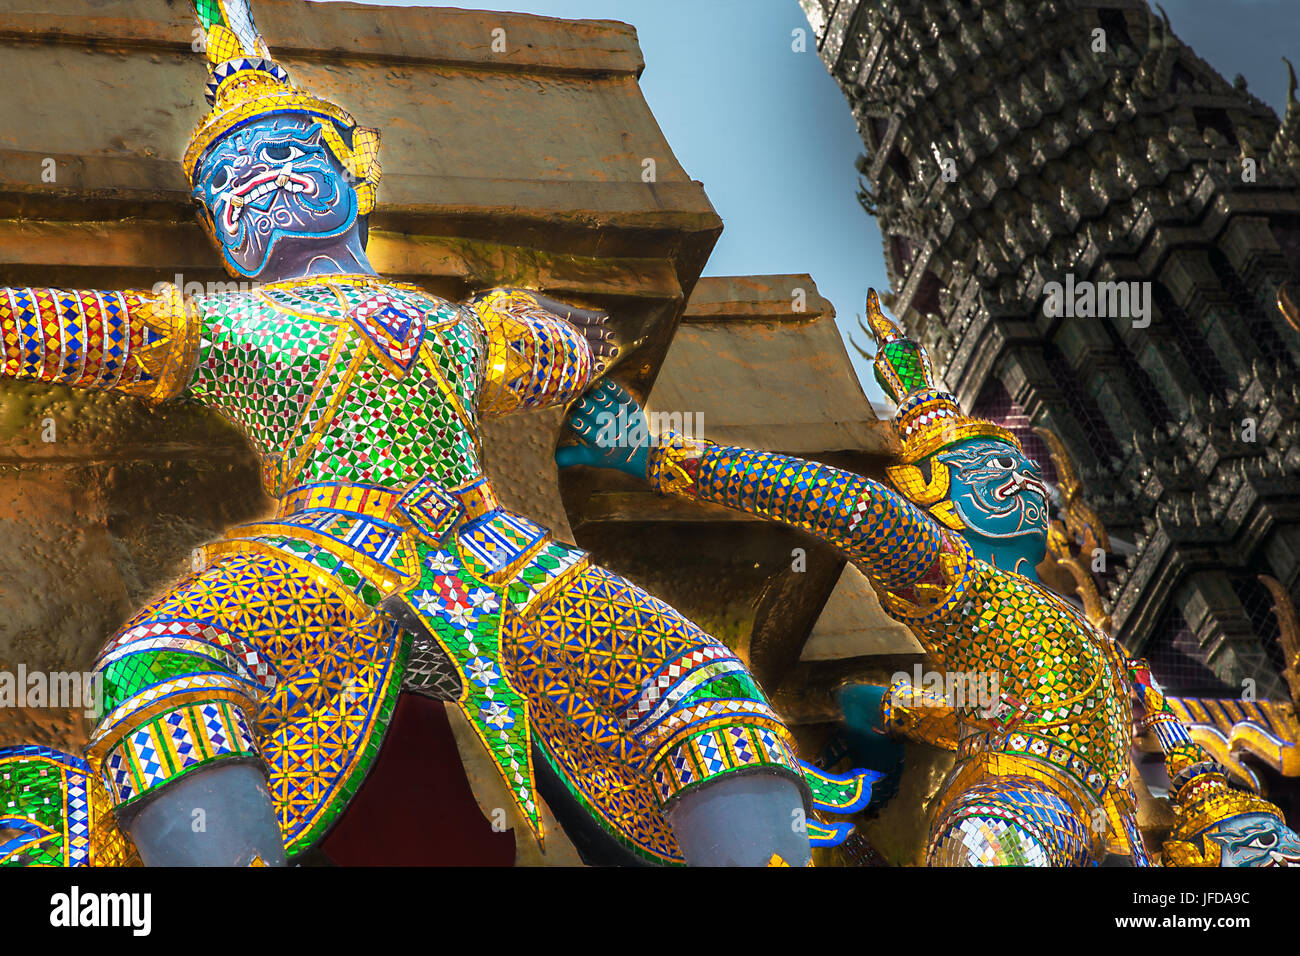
(1288,306)
(1058,549)
(1079,518)
(910,480)
(1288,622)
(1220,747)
(1282,755)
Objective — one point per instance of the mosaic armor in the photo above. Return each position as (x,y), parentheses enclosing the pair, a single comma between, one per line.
(361,398)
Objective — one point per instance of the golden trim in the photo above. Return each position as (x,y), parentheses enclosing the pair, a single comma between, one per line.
(169,362)
(376,573)
(945,512)
(354,603)
(911,482)
(1286,304)
(928,443)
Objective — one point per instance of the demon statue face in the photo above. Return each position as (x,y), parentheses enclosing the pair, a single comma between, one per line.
(999,496)
(278,201)
(1255,839)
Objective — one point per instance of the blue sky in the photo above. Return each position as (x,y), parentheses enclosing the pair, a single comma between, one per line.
(769,134)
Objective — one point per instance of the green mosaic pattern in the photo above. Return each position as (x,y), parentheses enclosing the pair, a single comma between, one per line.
(905,360)
(127,676)
(264,363)
(35,790)
(258,366)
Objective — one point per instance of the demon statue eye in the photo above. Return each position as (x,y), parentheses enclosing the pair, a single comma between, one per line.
(220,178)
(281,153)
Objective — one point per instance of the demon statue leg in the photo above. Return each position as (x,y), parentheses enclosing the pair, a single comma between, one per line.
(218,816)
(741,821)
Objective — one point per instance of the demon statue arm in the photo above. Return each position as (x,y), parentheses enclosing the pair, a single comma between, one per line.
(875,527)
(540,352)
(892,540)
(140,343)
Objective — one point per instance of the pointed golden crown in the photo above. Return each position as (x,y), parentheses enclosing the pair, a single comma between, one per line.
(245,84)
(928,419)
(1199,807)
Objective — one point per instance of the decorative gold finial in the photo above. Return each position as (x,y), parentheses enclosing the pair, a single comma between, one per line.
(882,328)
(928,418)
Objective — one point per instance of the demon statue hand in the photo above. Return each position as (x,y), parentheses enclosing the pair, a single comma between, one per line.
(1042,769)
(259,688)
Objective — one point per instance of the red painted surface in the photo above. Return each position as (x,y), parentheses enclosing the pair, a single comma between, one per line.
(416,807)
